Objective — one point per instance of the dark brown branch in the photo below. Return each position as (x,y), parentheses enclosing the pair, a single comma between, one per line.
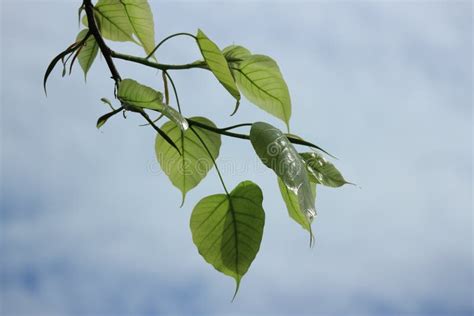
(104,49)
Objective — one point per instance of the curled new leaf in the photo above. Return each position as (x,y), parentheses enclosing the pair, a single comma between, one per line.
(322,171)
(55,60)
(188,169)
(135,96)
(103,119)
(217,64)
(228,229)
(276,152)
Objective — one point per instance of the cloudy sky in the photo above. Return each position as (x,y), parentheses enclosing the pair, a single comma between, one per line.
(90,226)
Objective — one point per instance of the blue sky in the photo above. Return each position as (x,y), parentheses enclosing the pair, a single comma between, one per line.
(90,226)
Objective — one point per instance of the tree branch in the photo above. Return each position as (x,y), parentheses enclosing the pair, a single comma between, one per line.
(110,54)
(223,131)
(146,62)
(105,50)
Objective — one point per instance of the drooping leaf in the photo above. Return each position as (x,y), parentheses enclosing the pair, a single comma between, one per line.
(217,64)
(276,152)
(88,51)
(133,94)
(291,202)
(119,20)
(55,60)
(259,79)
(227,230)
(236,52)
(322,171)
(188,169)
(79,14)
(103,119)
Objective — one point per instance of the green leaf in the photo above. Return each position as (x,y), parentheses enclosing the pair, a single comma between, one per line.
(88,51)
(141,19)
(119,20)
(134,95)
(112,21)
(55,60)
(108,102)
(228,229)
(276,152)
(217,64)
(261,82)
(291,202)
(188,169)
(103,119)
(322,171)
(236,52)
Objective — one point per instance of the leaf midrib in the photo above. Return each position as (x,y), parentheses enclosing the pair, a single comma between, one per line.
(266,92)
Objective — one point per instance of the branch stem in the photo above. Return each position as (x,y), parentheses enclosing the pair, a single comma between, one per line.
(146,62)
(110,54)
(213,160)
(223,131)
(104,49)
(167,38)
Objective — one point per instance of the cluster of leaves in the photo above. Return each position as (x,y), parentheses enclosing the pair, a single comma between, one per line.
(227,228)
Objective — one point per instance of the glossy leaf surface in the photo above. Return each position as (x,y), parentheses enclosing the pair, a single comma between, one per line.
(322,171)
(292,205)
(276,152)
(227,230)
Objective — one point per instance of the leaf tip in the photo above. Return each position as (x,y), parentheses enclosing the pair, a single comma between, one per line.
(236,107)
(183,198)
(311,237)
(237,285)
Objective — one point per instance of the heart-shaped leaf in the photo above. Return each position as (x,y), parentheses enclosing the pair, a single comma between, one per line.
(88,51)
(228,229)
(119,20)
(112,21)
(187,170)
(135,95)
(276,152)
(217,64)
(322,171)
